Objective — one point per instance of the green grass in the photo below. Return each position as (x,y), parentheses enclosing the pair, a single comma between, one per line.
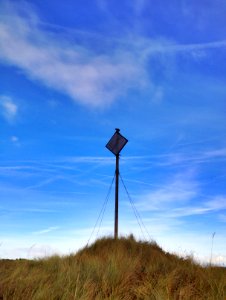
(109,269)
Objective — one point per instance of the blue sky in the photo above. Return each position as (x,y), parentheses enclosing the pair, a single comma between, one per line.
(70,73)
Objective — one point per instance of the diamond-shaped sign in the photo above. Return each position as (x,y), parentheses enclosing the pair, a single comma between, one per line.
(116,143)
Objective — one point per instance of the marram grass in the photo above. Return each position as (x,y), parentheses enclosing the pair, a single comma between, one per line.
(108,269)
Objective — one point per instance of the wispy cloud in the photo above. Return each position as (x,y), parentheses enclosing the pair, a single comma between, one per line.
(8,108)
(216,153)
(180,190)
(215,205)
(15,140)
(90,159)
(174,47)
(87,77)
(47,230)
(178,209)
(181,197)
(199,157)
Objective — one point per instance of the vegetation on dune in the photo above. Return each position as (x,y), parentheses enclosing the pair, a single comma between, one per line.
(112,269)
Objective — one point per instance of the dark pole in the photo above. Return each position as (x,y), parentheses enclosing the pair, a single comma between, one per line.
(116,195)
(115,145)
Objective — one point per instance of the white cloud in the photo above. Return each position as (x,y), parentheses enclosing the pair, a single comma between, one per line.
(87,77)
(14,139)
(216,153)
(90,159)
(216,204)
(180,158)
(173,47)
(179,197)
(179,190)
(8,108)
(47,230)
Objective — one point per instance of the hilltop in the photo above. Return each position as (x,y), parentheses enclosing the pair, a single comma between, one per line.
(112,269)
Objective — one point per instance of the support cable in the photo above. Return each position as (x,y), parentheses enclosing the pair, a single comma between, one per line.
(105,206)
(136,213)
(102,212)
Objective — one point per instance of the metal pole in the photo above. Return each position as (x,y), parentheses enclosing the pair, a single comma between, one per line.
(116,195)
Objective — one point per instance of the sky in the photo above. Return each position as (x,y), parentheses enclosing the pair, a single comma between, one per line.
(73,71)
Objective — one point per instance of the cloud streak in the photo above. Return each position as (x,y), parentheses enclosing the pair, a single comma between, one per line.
(214,205)
(183,158)
(8,108)
(170,47)
(47,230)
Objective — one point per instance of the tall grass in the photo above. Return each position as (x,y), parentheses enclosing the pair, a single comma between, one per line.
(112,269)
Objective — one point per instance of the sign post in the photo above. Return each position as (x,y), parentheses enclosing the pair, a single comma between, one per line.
(115,145)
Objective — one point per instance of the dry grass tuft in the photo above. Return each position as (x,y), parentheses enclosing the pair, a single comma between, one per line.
(122,269)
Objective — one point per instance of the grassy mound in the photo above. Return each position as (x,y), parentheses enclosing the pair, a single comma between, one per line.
(109,269)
